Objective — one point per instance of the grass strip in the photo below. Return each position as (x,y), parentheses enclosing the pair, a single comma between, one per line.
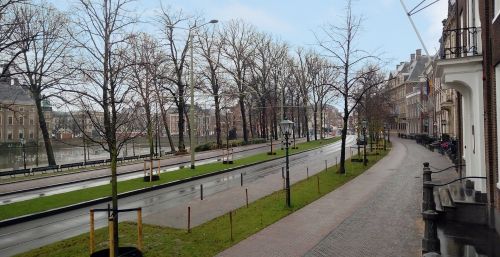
(213,236)
(59,200)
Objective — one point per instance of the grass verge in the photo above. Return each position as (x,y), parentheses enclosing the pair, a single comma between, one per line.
(59,200)
(213,236)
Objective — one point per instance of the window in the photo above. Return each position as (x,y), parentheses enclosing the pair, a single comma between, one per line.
(31,134)
(9,135)
(21,135)
(10,120)
(21,120)
(32,121)
(21,109)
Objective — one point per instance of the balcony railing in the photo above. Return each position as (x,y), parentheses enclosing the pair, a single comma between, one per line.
(457,43)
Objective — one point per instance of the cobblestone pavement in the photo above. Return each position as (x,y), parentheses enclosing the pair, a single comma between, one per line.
(376,214)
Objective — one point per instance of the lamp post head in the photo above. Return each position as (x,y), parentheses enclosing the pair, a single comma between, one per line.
(286,126)
(364,123)
(213,21)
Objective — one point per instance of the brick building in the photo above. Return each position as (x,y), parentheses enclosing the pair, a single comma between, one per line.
(18,114)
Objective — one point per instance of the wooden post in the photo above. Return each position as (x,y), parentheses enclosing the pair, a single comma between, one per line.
(92,227)
(336,161)
(150,170)
(319,192)
(144,168)
(282,172)
(159,166)
(326,166)
(201,191)
(111,238)
(246,195)
(139,230)
(241,179)
(231,223)
(307,172)
(189,219)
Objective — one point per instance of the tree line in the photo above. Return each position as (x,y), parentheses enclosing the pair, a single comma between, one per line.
(96,60)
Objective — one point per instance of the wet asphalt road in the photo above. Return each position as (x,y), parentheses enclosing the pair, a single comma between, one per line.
(29,235)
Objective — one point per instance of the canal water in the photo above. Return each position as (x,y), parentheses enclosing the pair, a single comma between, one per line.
(11,157)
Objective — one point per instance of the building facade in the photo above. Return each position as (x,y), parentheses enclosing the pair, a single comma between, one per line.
(18,114)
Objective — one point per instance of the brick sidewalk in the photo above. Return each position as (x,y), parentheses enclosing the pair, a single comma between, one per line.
(376,214)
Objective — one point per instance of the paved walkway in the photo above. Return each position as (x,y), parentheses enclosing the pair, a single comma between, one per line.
(228,195)
(376,214)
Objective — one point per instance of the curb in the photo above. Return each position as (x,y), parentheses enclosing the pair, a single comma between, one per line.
(95,178)
(43,214)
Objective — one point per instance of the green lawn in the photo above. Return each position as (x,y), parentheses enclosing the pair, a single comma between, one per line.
(55,201)
(213,237)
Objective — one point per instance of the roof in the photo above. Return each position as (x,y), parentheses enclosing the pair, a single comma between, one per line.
(11,92)
(417,68)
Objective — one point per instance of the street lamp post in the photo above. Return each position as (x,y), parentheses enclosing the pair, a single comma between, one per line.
(191,108)
(24,152)
(286,127)
(364,123)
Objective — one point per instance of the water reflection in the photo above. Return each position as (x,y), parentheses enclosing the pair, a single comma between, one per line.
(11,156)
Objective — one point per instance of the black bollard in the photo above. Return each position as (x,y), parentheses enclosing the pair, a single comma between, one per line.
(430,242)
(426,173)
(428,203)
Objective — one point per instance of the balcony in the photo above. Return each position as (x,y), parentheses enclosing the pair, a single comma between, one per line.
(459,43)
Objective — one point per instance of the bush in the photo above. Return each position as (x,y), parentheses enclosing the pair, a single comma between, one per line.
(206,147)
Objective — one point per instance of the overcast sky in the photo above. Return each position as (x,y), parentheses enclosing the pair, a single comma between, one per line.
(385,27)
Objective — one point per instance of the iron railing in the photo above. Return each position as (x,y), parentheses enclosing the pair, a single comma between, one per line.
(458,43)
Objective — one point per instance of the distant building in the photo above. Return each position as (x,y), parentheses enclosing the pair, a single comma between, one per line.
(408,94)
(18,113)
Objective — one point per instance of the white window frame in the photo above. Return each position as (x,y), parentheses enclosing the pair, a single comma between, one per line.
(496,10)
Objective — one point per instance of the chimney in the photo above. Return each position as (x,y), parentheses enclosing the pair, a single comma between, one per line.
(412,57)
(419,52)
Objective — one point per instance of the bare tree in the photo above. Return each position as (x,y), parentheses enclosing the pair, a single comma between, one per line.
(339,44)
(10,41)
(302,78)
(142,50)
(211,50)
(43,66)
(177,48)
(100,37)
(238,51)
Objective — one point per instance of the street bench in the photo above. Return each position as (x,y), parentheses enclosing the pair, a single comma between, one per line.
(45,169)
(13,173)
(70,165)
(93,163)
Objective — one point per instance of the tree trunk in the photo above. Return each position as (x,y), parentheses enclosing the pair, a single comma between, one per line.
(45,131)
(252,124)
(180,123)
(315,122)
(306,123)
(149,129)
(243,119)
(167,129)
(217,121)
(342,149)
